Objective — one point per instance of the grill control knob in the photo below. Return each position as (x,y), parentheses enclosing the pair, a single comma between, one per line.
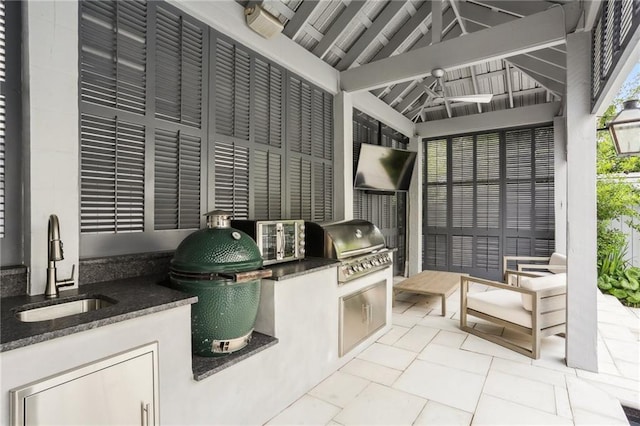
(301,250)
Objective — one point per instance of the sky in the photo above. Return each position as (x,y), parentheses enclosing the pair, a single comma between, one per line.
(625,87)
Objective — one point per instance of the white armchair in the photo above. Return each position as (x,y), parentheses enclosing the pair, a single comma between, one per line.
(532,305)
(538,265)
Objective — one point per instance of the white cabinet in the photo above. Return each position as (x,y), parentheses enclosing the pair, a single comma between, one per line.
(119,390)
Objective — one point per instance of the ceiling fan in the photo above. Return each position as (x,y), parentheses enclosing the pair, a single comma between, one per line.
(438,92)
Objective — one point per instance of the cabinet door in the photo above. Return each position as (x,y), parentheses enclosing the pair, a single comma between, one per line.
(376,300)
(121,390)
(361,314)
(353,321)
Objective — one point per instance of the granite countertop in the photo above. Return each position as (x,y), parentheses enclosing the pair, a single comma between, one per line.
(135,297)
(296,268)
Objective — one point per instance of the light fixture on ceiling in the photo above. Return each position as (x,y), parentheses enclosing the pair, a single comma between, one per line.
(625,129)
(262,22)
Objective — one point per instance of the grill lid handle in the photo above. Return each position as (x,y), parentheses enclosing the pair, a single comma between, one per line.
(218,219)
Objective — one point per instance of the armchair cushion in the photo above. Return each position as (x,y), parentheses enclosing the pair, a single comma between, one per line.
(540,283)
(557,263)
(502,304)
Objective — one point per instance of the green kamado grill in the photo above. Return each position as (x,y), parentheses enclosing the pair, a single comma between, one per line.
(222,266)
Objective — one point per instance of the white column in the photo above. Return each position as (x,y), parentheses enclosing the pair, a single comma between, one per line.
(582,315)
(343,159)
(414,229)
(50,85)
(560,182)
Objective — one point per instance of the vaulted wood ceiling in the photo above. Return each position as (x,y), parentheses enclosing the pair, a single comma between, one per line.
(347,34)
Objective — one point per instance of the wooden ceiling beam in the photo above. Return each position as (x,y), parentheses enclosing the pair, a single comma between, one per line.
(547,83)
(404,32)
(338,27)
(301,17)
(400,88)
(524,35)
(370,34)
(489,121)
(508,78)
(550,56)
(528,63)
(518,8)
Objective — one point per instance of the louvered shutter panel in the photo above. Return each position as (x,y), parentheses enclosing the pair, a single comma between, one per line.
(317,123)
(518,154)
(241,94)
(328,126)
(232,179)
(436,173)
(488,253)
(462,251)
(544,153)
(179,69)
(436,206)
(320,179)
(626,19)
(544,185)
(112,162)
(300,187)
(224,82)
(299,116)
(436,251)
(166,180)
(519,169)
(487,181)
(261,96)
(596,59)
(544,206)
(266,170)
(276,111)
(544,247)
(462,177)
(177,180)
(515,246)
(3,121)
(113,54)
(519,205)
(608,36)
(462,159)
(232,85)
(267,113)
(436,161)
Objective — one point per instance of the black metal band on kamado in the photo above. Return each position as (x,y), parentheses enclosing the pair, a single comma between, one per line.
(222,266)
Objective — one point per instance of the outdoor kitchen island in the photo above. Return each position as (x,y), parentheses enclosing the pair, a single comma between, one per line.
(301,310)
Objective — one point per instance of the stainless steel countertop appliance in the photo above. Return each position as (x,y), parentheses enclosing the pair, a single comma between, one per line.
(358,244)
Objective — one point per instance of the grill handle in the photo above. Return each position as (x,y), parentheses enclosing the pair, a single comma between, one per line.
(365,250)
(241,277)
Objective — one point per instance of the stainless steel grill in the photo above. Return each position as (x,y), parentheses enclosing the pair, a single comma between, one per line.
(358,244)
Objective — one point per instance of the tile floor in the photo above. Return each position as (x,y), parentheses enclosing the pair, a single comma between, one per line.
(425,371)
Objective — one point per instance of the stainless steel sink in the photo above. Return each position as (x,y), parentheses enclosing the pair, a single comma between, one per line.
(64,309)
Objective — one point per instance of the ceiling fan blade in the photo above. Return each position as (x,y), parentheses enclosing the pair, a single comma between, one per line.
(481,99)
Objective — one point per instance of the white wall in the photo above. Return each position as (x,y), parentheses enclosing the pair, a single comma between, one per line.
(50,87)
(582,313)
(305,320)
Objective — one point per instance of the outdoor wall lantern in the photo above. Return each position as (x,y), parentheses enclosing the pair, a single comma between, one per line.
(625,129)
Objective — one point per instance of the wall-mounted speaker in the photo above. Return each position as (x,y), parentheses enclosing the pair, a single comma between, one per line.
(262,22)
